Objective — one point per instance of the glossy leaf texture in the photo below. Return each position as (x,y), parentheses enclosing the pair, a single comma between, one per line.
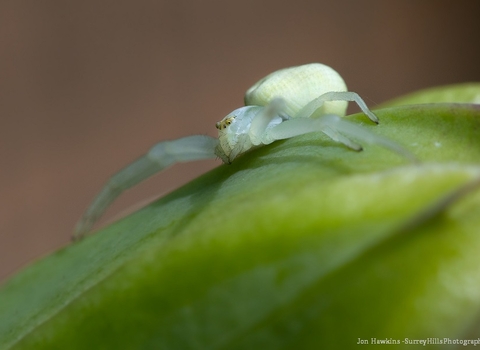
(459,93)
(300,244)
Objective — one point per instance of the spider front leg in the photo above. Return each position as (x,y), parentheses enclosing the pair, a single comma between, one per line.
(274,109)
(348,96)
(338,129)
(160,156)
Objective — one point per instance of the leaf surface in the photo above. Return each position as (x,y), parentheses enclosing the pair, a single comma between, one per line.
(302,243)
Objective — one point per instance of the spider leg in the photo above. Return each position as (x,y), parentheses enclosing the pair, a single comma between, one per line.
(315,104)
(336,136)
(160,156)
(339,130)
(261,121)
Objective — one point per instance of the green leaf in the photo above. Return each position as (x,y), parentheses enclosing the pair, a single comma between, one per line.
(459,93)
(300,244)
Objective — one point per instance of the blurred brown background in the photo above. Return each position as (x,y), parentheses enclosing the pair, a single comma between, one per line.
(88,86)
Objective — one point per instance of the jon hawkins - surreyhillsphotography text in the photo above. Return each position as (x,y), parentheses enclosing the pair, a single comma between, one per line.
(411,341)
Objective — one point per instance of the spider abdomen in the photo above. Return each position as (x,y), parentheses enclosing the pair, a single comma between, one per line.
(298,86)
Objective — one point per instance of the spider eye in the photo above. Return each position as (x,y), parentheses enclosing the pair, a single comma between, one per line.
(224,123)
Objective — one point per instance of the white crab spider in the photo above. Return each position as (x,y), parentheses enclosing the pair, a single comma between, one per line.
(286,103)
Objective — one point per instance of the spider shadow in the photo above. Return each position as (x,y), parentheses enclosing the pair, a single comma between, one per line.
(318,153)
